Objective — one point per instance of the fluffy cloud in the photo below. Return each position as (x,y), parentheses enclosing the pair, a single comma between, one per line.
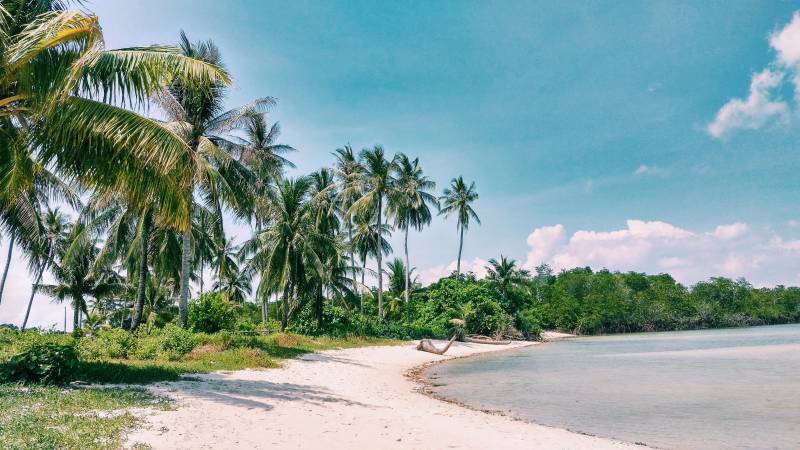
(474,265)
(763,105)
(731,231)
(753,112)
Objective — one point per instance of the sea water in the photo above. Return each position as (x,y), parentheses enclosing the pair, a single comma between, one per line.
(709,389)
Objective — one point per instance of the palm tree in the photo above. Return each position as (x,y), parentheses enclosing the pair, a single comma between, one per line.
(409,202)
(259,151)
(457,199)
(366,233)
(60,90)
(287,247)
(375,184)
(51,242)
(505,275)
(213,173)
(347,171)
(77,276)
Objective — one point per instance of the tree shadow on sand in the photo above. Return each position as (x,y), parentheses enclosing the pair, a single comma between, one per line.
(258,394)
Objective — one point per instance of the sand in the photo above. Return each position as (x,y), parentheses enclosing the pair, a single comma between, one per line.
(339,399)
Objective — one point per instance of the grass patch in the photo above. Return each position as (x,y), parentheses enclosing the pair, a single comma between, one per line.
(49,417)
(212,354)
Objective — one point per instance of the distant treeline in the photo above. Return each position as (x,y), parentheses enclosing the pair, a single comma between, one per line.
(585,301)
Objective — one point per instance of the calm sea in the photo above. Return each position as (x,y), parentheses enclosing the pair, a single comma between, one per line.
(711,389)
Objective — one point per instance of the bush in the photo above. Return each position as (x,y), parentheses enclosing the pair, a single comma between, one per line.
(485,316)
(111,343)
(170,342)
(46,359)
(527,322)
(211,313)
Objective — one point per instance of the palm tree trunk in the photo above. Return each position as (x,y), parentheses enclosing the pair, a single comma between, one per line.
(285,313)
(379,252)
(318,307)
(407,267)
(33,293)
(8,264)
(76,316)
(361,292)
(460,247)
(144,238)
(186,262)
(352,259)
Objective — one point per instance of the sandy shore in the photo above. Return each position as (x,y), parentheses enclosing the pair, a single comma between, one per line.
(340,399)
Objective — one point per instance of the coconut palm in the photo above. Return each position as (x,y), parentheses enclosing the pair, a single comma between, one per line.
(62,93)
(286,248)
(78,278)
(458,199)
(506,277)
(410,202)
(375,184)
(214,176)
(365,234)
(52,239)
(347,171)
(259,149)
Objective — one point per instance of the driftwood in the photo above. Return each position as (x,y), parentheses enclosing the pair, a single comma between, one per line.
(426,345)
(485,340)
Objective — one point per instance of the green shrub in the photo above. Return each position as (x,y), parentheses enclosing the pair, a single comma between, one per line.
(211,313)
(485,316)
(111,343)
(170,342)
(46,359)
(528,323)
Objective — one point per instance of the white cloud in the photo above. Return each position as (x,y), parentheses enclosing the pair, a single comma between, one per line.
(733,250)
(731,231)
(755,111)
(475,265)
(761,106)
(644,169)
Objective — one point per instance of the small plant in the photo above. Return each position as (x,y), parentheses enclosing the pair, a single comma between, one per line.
(112,343)
(42,359)
(211,313)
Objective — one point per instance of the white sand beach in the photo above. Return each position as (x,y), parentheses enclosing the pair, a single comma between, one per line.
(339,399)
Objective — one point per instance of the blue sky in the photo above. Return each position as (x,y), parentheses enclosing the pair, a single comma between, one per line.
(587,126)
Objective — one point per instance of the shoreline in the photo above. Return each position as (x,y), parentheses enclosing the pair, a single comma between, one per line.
(426,387)
(342,399)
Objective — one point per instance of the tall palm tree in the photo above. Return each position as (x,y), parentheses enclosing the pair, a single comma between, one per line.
(458,199)
(375,184)
(347,171)
(286,248)
(366,234)
(259,149)
(409,202)
(51,242)
(78,278)
(214,175)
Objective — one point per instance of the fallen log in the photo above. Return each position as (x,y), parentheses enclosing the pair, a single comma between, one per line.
(482,340)
(426,345)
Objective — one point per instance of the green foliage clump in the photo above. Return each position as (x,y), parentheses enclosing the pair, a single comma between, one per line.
(41,358)
(485,316)
(211,313)
(108,343)
(338,322)
(170,343)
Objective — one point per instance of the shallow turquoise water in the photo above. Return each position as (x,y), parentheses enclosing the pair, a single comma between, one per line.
(710,389)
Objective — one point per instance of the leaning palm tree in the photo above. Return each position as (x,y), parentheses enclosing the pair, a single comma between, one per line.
(375,184)
(213,174)
(410,202)
(62,95)
(458,199)
(50,243)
